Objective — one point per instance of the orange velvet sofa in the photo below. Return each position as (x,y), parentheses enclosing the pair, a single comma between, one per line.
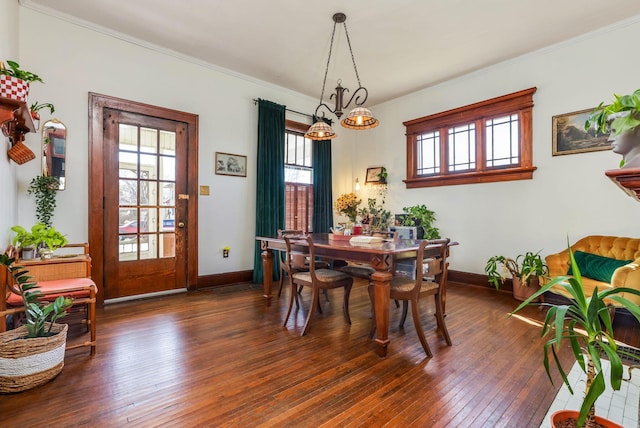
(614,247)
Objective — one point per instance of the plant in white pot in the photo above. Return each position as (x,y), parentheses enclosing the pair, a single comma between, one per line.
(586,323)
(33,353)
(46,239)
(525,271)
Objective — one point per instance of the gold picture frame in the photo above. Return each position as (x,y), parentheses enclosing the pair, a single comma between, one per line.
(570,137)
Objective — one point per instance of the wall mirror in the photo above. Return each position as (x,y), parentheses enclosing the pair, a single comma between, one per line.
(54,150)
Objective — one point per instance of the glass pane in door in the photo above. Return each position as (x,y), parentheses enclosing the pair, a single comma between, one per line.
(147,168)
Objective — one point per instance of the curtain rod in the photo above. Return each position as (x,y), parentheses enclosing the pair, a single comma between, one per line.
(255,101)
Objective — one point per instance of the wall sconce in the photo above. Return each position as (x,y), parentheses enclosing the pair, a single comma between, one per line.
(357,184)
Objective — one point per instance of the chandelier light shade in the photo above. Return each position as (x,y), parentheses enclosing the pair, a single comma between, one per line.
(360,117)
(320,131)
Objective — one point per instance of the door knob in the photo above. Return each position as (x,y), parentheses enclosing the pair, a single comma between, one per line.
(181,224)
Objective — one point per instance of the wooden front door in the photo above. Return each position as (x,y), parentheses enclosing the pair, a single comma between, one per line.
(147,209)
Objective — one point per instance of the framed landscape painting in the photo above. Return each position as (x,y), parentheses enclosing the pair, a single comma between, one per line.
(228,164)
(569,135)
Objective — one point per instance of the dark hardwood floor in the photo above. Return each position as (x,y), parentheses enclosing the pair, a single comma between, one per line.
(222,358)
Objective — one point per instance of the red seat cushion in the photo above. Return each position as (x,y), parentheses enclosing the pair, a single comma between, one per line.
(73,287)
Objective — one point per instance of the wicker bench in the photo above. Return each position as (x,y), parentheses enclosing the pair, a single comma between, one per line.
(68,276)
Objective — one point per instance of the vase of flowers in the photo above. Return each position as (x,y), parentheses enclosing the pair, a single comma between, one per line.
(347,204)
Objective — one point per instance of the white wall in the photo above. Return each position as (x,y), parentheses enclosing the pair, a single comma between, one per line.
(74,60)
(568,196)
(8,51)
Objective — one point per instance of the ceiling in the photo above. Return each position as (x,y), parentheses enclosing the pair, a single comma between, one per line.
(399,46)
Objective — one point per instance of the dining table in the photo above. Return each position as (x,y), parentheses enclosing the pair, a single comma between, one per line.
(381,255)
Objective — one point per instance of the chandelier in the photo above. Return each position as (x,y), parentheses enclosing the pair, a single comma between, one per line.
(360,117)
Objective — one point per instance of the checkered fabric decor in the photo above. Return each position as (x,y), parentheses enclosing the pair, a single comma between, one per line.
(13,88)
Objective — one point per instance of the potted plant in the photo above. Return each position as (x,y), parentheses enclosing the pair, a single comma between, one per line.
(586,323)
(14,82)
(423,218)
(525,271)
(50,239)
(35,111)
(44,188)
(24,241)
(622,103)
(621,116)
(46,239)
(375,216)
(382,175)
(39,344)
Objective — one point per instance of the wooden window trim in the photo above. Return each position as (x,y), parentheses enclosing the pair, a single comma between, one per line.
(291,125)
(520,102)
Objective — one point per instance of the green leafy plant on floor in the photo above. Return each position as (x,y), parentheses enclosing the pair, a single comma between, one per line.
(586,323)
(40,317)
(523,267)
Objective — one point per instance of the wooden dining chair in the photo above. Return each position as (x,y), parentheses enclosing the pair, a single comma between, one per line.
(430,280)
(316,279)
(299,262)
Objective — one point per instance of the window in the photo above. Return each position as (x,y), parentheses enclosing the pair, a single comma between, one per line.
(298,178)
(479,143)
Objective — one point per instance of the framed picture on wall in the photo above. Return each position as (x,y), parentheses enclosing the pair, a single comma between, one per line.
(375,175)
(569,135)
(229,164)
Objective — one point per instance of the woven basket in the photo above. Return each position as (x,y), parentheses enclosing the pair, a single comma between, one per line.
(27,363)
(20,153)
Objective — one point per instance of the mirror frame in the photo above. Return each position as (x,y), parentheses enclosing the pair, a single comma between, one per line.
(47,157)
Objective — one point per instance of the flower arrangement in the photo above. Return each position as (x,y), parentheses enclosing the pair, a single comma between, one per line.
(347,204)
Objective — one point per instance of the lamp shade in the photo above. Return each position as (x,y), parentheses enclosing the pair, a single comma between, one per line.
(320,131)
(360,118)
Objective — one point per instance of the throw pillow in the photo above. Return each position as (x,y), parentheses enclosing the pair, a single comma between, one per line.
(596,267)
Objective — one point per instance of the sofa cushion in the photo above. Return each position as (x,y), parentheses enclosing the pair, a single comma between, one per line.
(596,267)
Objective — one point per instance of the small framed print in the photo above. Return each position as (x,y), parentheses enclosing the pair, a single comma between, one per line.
(229,164)
(375,175)
(569,135)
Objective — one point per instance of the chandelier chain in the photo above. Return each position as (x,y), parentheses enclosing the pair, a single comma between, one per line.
(351,52)
(326,70)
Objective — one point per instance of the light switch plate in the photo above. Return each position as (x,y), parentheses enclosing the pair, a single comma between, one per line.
(204,190)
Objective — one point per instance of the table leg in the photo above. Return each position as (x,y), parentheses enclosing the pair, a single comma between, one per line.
(381,282)
(267,274)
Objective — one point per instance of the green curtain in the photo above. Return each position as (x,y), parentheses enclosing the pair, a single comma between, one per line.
(270,179)
(322,187)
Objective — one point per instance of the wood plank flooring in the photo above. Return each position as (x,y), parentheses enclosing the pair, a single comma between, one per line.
(222,358)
